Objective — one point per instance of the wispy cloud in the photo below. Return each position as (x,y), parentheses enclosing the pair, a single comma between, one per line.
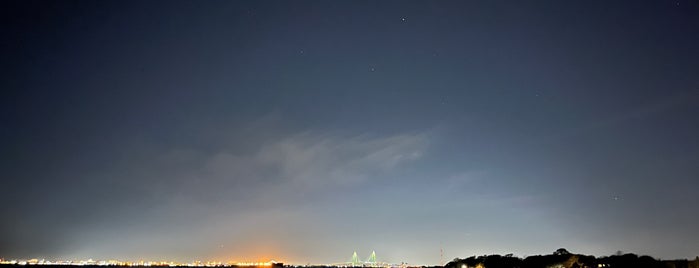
(307,162)
(211,196)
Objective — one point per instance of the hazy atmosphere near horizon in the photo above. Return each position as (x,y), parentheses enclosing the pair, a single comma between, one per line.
(303,131)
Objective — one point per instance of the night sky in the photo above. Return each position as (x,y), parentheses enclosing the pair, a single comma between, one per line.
(306,130)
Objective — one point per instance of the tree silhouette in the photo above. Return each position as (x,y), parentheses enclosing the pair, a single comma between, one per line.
(561,251)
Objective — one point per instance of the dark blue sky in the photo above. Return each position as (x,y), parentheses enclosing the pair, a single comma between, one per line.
(306,130)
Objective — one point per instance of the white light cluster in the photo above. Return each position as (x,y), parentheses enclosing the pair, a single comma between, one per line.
(139,263)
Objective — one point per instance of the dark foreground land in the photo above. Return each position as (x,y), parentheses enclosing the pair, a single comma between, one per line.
(561,258)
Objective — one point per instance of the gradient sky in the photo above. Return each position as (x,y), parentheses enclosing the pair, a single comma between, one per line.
(306,130)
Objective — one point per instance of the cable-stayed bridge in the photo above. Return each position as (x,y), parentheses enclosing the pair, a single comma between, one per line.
(369,262)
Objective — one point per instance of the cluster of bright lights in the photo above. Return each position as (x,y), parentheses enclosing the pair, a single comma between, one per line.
(91,262)
(254,264)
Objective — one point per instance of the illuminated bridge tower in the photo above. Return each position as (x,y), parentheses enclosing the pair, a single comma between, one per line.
(372,259)
(355,260)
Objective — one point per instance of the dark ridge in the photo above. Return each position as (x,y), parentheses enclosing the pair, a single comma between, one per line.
(561,258)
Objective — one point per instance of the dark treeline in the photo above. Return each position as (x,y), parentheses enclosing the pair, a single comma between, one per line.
(561,258)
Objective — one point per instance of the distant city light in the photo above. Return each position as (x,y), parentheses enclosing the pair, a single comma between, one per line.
(91,262)
(371,262)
